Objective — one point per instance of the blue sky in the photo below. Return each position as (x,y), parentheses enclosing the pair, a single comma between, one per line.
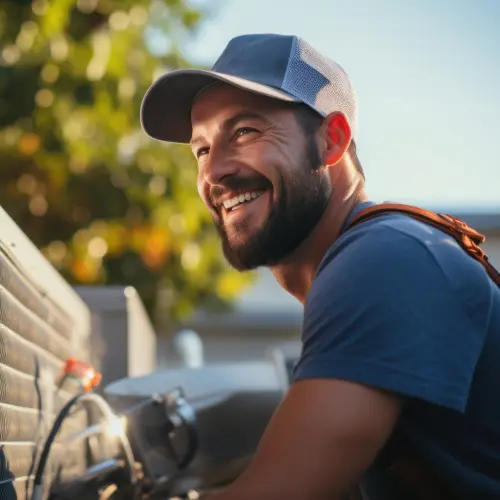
(427,75)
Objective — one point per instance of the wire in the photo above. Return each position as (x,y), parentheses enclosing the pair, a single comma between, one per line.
(52,435)
(107,412)
(38,439)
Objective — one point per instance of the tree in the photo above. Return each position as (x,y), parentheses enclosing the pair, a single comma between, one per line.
(103,202)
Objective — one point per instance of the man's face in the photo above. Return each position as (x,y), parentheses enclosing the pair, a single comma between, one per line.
(259,175)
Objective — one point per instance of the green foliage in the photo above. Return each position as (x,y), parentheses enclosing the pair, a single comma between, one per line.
(103,202)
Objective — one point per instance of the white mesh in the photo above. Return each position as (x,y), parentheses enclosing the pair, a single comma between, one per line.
(320,82)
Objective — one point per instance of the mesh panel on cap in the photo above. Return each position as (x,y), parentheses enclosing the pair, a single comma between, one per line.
(319,82)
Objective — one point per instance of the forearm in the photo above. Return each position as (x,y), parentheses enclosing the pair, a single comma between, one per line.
(225,494)
(241,491)
(232,494)
(320,455)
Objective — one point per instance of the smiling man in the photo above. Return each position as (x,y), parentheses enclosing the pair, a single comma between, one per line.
(401,338)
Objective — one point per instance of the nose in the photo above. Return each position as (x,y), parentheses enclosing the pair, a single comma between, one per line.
(217,166)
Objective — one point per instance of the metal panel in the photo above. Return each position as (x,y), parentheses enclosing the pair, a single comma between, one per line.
(123,337)
(42,322)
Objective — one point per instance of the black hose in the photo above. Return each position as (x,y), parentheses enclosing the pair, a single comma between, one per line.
(107,413)
(50,439)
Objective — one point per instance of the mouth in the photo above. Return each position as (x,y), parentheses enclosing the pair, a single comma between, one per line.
(247,206)
(242,199)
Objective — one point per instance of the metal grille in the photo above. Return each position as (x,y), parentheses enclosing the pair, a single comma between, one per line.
(37,334)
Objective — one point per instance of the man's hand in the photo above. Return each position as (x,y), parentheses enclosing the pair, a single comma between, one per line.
(325,434)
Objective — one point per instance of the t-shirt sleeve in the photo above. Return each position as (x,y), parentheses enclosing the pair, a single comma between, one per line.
(383,313)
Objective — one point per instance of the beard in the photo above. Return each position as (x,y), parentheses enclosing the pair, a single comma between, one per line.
(301,204)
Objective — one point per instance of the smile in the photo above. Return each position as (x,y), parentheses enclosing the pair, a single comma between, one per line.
(231,204)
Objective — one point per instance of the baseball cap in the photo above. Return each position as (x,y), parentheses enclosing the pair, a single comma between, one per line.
(283,67)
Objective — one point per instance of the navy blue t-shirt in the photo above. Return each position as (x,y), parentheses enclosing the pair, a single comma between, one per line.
(397,304)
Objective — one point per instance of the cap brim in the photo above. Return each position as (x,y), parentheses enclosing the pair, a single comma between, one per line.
(166,107)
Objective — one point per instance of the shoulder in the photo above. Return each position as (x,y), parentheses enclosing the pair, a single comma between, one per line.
(397,256)
(384,253)
(386,236)
(385,307)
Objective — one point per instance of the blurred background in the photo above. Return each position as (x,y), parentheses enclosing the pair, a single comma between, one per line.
(108,207)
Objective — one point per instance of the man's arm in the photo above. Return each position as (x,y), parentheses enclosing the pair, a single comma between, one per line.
(382,319)
(322,438)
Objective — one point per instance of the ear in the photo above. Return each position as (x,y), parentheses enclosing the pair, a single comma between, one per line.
(336,134)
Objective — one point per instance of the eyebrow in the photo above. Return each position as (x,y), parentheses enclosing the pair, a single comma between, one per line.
(232,122)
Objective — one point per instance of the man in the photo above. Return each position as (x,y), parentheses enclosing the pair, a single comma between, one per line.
(401,326)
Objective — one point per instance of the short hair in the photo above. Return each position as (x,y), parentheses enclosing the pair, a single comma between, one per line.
(310,121)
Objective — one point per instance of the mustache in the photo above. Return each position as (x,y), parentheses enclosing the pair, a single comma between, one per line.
(237,183)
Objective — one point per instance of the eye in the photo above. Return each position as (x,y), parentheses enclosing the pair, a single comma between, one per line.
(200,152)
(244,131)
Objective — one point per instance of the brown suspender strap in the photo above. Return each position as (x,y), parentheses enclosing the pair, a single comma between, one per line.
(469,239)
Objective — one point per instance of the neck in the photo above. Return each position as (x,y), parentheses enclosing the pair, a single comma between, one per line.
(296,274)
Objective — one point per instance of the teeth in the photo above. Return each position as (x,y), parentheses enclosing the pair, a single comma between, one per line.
(241,199)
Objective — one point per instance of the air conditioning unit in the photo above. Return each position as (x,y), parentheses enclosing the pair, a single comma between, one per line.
(42,323)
